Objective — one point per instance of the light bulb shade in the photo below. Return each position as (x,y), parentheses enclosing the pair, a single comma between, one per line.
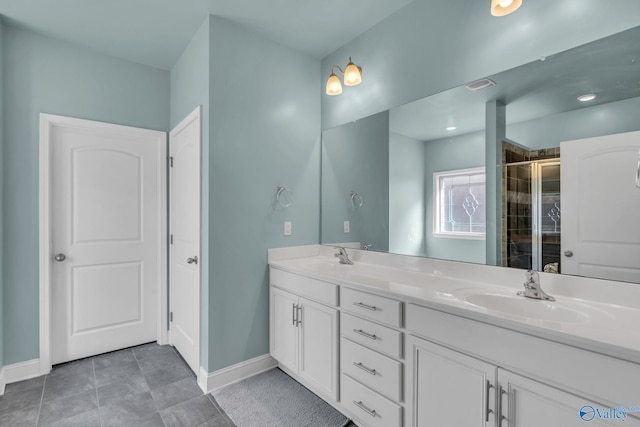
(352,74)
(504,7)
(334,87)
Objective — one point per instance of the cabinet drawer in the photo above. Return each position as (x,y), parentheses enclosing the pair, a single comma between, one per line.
(372,369)
(307,287)
(372,335)
(367,406)
(380,309)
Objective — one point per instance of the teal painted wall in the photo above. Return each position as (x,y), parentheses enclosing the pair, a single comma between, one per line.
(459,152)
(403,59)
(264,132)
(407,195)
(355,157)
(190,87)
(45,75)
(599,120)
(2,321)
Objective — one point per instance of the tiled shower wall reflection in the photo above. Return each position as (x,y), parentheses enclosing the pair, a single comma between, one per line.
(517,211)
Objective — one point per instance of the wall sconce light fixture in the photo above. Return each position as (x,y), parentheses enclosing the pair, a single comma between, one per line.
(504,7)
(352,76)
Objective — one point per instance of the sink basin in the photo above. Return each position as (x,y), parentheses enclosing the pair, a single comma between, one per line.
(523,307)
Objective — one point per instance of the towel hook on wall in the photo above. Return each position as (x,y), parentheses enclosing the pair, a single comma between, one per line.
(356,200)
(284,196)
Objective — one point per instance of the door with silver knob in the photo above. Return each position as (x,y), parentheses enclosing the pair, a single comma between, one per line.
(184,168)
(106,219)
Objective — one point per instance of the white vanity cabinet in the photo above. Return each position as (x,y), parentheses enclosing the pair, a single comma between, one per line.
(371,358)
(461,372)
(449,388)
(304,332)
(529,403)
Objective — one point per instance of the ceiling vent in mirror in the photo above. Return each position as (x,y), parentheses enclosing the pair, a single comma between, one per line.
(480,84)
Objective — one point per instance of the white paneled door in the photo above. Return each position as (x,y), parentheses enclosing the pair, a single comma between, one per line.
(107,230)
(185,238)
(600,200)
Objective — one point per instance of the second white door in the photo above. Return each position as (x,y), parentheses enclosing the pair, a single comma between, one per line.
(600,179)
(185,239)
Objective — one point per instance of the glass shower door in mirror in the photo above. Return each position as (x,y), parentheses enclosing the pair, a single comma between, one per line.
(533,215)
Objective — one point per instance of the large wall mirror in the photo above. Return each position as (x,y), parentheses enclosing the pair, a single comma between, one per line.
(411,180)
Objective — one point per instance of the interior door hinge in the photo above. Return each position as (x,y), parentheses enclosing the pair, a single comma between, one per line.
(171,239)
(171,161)
(171,317)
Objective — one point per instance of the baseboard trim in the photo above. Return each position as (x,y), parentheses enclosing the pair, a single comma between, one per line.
(209,382)
(2,381)
(19,372)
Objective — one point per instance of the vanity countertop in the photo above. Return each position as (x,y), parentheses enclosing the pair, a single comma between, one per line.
(603,327)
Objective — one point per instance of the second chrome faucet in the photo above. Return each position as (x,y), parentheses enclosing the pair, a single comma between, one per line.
(343,256)
(532,288)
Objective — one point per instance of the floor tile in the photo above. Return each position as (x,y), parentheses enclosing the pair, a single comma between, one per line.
(82,366)
(220,420)
(175,393)
(130,411)
(157,378)
(22,418)
(115,358)
(86,419)
(37,382)
(154,420)
(67,407)
(158,360)
(190,413)
(117,373)
(124,389)
(12,402)
(151,349)
(68,383)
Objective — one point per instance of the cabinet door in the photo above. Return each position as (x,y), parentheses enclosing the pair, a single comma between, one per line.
(282,329)
(528,403)
(447,388)
(319,347)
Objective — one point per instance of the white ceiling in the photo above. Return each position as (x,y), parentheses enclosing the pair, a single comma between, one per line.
(155,32)
(609,67)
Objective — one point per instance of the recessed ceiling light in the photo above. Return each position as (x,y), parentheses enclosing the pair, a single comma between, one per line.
(451,128)
(587,97)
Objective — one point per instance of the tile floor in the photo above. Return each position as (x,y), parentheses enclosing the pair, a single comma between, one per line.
(148,385)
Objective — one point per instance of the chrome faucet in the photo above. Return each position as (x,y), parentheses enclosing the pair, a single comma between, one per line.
(532,287)
(343,256)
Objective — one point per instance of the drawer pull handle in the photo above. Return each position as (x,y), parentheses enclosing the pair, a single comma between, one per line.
(364,334)
(365,409)
(364,368)
(487,409)
(363,305)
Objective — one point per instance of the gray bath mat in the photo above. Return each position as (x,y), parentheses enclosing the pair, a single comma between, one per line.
(273,399)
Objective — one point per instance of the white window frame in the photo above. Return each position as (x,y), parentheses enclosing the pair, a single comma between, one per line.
(437,201)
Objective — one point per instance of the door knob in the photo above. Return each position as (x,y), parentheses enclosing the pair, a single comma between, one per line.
(193,260)
(60,257)
(568,254)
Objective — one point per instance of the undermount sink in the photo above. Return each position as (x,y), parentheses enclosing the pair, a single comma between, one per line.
(516,305)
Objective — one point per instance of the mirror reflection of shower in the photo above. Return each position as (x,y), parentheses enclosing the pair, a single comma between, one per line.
(533,212)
